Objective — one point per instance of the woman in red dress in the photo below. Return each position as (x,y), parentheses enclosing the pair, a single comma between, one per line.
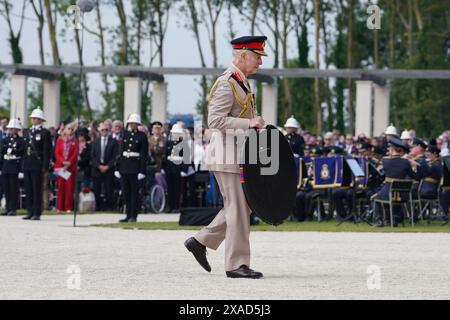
(66,158)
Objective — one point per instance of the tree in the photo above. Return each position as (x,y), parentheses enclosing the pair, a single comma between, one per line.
(100,35)
(38,9)
(14,37)
(317,105)
(191,11)
(51,10)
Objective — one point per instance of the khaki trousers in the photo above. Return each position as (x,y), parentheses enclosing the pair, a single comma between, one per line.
(231,224)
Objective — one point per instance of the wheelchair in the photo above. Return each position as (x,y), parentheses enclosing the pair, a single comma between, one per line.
(153,194)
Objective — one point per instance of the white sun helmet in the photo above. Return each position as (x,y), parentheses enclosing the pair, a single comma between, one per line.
(391,130)
(292,123)
(406,135)
(14,124)
(134,118)
(177,128)
(37,113)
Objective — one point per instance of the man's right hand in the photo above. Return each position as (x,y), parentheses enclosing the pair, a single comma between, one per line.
(257,123)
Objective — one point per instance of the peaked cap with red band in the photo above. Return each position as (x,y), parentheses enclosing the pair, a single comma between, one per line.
(252,43)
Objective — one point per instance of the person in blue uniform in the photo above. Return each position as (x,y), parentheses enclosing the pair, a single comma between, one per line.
(306,193)
(418,148)
(445,193)
(12,149)
(132,165)
(395,166)
(343,198)
(430,184)
(36,162)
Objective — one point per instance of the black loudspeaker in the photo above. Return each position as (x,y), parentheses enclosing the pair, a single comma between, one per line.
(197,216)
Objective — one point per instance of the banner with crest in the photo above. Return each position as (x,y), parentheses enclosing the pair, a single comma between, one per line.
(327,172)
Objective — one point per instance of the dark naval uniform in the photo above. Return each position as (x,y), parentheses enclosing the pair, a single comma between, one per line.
(430,184)
(306,194)
(445,194)
(173,167)
(11,151)
(132,160)
(395,167)
(422,172)
(296,142)
(36,161)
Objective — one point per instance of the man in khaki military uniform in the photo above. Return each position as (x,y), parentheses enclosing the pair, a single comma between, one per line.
(231,112)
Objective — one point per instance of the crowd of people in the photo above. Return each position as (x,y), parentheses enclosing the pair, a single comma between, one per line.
(390,157)
(48,167)
(111,158)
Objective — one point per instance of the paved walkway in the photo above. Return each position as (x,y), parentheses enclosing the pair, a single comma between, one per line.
(51,260)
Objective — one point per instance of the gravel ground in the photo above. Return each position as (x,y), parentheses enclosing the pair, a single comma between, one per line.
(51,260)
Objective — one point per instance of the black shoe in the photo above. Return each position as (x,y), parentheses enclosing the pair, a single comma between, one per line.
(4,213)
(244,272)
(123,220)
(28,217)
(199,252)
(132,220)
(11,214)
(35,218)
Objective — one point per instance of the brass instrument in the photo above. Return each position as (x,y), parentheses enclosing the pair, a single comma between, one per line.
(412,160)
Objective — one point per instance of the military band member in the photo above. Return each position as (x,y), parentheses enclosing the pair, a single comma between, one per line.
(430,184)
(36,162)
(417,154)
(395,166)
(343,198)
(132,165)
(305,194)
(231,106)
(11,152)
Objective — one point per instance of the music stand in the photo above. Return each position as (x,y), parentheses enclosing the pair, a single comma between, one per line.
(351,171)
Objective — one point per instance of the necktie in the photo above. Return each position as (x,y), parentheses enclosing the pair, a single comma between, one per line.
(102,154)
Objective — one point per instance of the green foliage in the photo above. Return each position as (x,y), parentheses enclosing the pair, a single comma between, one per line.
(423,44)
(303,100)
(419,104)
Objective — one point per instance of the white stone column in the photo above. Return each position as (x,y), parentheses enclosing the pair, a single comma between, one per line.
(363,112)
(52,103)
(132,98)
(381,109)
(269,105)
(19,99)
(159,101)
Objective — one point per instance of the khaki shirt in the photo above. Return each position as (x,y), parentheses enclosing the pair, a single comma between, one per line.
(230,108)
(157,149)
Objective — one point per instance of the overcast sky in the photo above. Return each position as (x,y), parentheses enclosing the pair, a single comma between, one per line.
(179,51)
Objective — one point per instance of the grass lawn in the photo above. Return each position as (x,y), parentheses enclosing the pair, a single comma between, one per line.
(328,226)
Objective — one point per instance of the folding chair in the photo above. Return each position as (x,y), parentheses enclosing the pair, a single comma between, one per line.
(321,202)
(430,204)
(397,187)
